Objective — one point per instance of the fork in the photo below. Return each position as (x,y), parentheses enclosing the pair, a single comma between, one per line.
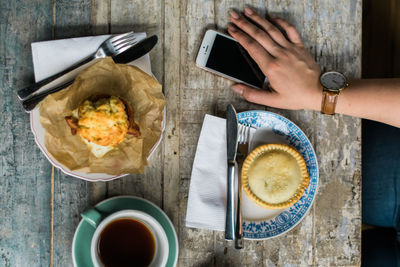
(243,141)
(111,47)
(243,133)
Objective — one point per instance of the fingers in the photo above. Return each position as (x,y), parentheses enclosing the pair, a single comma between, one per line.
(256,96)
(290,30)
(273,31)
(255,50)
(256,33)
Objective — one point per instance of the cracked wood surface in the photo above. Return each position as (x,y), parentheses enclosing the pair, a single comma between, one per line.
(329,235)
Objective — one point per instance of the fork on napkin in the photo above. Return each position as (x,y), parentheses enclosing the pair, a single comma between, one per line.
(52,57)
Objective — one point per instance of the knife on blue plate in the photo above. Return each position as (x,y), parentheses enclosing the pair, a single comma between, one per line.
(135,52)
(232,143)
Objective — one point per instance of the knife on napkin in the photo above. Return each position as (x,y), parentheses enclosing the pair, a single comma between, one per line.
(231,138)
(135,52)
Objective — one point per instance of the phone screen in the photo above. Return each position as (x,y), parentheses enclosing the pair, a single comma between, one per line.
(230,58)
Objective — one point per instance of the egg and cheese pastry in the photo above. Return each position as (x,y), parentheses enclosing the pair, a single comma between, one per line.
(275,176)
(103,123)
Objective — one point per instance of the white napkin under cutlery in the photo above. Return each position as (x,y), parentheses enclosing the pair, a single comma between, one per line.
(51,57)
(206,206)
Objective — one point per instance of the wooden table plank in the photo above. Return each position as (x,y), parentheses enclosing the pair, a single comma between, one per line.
(338,142)
(25,172)
(101,16)
(71,195)
(141,16)
(226,254)
(196,95)
(296,247)
(171,85)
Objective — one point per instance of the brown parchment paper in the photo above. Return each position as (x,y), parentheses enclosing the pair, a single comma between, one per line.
(141,91)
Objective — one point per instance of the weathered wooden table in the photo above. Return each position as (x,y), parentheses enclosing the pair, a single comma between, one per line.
(40,206)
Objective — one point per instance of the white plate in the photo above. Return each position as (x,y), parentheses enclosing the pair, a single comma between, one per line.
(39,134)
(260,223)
(69,51)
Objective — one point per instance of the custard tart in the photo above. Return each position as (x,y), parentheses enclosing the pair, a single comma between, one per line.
(274,176)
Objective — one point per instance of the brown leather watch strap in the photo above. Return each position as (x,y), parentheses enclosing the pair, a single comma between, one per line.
(329,100)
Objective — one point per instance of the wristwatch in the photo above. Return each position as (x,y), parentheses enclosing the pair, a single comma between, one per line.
(333,83)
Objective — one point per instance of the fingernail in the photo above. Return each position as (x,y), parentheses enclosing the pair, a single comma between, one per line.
(234,14)
(248,11)
(232,28)
(237,89)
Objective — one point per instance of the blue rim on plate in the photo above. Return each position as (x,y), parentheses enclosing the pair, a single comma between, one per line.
(290,217)
(84,232)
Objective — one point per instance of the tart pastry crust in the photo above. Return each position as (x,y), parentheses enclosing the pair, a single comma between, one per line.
(274,176)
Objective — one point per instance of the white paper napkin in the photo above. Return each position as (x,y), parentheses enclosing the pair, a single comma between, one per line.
(206,206)
(51,57)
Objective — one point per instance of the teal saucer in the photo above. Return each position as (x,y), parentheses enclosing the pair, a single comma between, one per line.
(84,231)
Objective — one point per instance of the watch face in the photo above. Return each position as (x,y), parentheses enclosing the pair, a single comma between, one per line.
(333,80)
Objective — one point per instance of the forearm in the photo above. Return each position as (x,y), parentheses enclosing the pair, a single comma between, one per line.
(374,99)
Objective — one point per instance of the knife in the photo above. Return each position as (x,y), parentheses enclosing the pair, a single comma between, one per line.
(140,49)
(231,140)
(135,52)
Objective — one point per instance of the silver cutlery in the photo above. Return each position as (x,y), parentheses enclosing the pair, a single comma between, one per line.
(134,52)
(243,141)
(110,47)
(243,133)
(232,143)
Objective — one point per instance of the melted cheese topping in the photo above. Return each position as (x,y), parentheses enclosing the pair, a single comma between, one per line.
(274,176)
(103,122)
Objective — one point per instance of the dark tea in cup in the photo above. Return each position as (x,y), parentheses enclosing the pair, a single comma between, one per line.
(126,242)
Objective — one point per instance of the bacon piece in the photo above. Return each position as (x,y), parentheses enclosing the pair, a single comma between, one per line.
(133,128)
(72,123)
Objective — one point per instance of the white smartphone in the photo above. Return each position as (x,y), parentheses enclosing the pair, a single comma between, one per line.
(224,56)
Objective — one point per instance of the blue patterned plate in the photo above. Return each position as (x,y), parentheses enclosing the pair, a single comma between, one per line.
(273,128)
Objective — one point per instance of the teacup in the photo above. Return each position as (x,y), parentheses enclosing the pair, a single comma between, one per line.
(127,236)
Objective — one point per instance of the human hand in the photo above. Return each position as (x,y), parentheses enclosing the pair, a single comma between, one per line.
(292,72)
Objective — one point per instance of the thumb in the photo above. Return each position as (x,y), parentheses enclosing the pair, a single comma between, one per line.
(257,96)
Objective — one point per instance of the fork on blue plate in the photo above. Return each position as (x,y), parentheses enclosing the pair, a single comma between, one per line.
(242,151)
